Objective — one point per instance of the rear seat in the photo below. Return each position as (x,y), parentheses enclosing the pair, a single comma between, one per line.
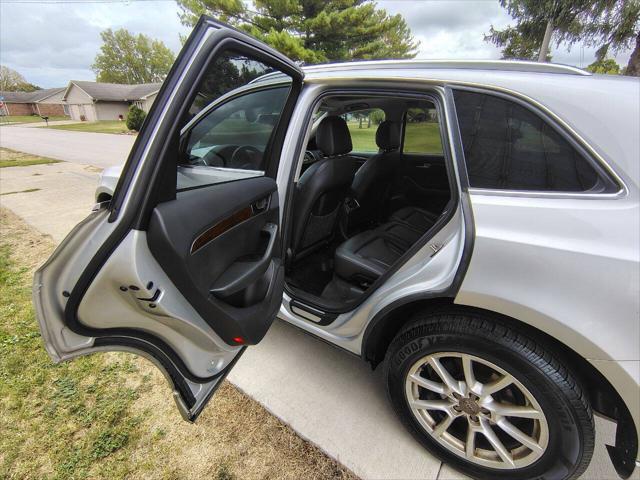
(416,217)
(367,255)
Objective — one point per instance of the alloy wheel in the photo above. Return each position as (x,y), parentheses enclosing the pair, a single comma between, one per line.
(477,410)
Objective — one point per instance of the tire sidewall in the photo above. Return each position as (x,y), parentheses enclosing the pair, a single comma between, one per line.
(564,449)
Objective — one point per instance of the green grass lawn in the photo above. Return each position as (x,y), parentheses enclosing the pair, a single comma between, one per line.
(420,138)
(111,415)
(103,126)
(69,420)
(11,158)
(29,119)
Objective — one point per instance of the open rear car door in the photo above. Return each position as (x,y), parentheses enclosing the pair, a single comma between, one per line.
(185,264)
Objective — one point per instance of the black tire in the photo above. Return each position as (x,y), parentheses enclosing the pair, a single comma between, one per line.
(555,388)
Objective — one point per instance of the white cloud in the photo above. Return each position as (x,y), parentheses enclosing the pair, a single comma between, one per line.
(456,29)
(51,44)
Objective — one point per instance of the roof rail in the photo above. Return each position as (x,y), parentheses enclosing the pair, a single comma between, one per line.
(503,65)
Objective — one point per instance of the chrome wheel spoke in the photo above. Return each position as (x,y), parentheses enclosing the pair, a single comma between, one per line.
(442,426)
(470,446)
(428,384)
(497,385)
(442,405)
(443,373)
(469,376)
(519,435)
(495,442)
(506,410)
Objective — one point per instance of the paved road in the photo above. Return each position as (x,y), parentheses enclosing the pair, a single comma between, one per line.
(99,149)
(327,396)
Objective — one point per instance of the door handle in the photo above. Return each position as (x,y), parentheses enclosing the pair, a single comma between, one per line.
(425,165)
(243,273)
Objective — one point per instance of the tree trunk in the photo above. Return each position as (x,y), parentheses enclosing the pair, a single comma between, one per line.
(633,67)
(544,48)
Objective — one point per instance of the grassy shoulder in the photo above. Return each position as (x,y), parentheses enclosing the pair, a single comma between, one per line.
(11,158)
(112,415)
(29,119)
(419,138)
(102,126)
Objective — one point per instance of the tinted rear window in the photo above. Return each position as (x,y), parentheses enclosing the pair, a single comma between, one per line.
(509,147)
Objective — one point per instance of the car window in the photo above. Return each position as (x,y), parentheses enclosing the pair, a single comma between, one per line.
(362,126)
(507,146)
(422,131)
(230,137)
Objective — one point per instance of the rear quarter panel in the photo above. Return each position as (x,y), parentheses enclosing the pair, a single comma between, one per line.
(571,266)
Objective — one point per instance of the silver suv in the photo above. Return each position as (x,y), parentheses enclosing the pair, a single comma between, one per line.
(471,227)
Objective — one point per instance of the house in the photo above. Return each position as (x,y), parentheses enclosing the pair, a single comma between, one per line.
(92,101)
(47,102)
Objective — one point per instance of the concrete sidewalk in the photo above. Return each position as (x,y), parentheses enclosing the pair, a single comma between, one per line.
(52,198)
(44,124)
(99,149)
(328,397)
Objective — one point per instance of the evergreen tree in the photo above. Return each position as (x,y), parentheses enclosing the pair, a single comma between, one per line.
(313,31)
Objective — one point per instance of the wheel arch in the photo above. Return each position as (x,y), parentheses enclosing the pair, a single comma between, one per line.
(604,398)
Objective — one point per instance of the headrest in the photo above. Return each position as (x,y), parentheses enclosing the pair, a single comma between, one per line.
(333,137)
(388,135)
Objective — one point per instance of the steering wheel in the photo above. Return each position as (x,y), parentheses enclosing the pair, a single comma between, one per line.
(212,159)
(246,157)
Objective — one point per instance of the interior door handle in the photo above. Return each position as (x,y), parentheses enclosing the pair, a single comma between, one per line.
(424,165)
(243,273)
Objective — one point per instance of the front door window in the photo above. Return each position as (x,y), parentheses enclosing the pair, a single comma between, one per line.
(231,124)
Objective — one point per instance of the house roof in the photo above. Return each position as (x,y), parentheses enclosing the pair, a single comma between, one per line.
(115,92)
(30,97)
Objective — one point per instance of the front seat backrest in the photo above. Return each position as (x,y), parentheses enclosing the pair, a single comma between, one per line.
(372,180)
(323,187)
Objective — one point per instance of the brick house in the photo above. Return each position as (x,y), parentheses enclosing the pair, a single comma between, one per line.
(93,101)
(47,102)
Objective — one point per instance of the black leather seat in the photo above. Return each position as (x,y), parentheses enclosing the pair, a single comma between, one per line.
(415,217)
(323,188)
(372,180)
(367,255)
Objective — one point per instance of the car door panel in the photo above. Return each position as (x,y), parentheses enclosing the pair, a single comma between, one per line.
(172,236)
(123,296)
(184,278)
(424,180)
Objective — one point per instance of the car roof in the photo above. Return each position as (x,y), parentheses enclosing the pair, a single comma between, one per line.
(421,65)
(602,110)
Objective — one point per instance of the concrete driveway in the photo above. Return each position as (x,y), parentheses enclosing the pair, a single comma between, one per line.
(327,396)
(99,149)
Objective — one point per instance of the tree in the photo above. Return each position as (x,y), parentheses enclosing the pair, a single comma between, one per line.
(313,31)
(517,44)
(12,81)
(537,21)
(376,116)
(633,67)
(610,25)
(608,66)
(127,58)
(135,118)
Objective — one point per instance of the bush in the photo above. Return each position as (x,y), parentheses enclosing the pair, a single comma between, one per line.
(135,118)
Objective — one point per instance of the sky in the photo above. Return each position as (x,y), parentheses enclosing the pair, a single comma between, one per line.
(53,41)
